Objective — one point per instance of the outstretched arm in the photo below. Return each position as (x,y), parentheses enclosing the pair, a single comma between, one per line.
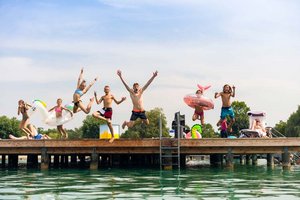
(67,111)
(118,102)
(52,109)
(150,80)
(119,72)
(217,94)
(80,78)
(233,91)
(90,85)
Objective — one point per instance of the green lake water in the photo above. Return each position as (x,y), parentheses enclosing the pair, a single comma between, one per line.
(242,182)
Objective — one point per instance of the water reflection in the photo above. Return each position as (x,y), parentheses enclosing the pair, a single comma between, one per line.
(243,182)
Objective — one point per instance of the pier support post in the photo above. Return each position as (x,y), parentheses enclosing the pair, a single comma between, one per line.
(94,160)
(32,161)
(73,160)
(254,159)
(229,159)
(270,160)
(286,162)
(248,160)
(182,161)
(56,161)
(3,161)
(13,161)
(44,159)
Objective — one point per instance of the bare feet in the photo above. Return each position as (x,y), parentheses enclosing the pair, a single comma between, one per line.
(111,140)
(11,136)
(124,124)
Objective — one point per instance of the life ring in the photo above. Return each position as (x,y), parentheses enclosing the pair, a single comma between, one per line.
(194,100)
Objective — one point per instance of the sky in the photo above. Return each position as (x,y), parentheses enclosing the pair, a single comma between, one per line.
(251,44)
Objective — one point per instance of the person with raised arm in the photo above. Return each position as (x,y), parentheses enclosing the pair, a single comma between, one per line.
(136,95)
(79,92)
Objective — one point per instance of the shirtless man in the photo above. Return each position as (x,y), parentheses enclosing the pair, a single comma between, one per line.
(136,93)
(227,93)
(106,112)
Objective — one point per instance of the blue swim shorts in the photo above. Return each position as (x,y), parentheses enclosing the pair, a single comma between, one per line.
(227,111)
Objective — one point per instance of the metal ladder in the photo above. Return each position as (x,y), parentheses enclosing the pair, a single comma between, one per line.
(169,151)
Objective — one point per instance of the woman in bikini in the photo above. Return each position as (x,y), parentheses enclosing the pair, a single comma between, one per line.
(58,113)
(79,92)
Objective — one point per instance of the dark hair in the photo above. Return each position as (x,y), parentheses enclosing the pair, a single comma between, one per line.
(230,89)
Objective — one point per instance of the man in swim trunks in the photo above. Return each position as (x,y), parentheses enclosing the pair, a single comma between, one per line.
(106,112)
(79,92)
(227,110)
(137,100)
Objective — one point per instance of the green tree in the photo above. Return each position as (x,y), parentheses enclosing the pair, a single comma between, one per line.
(241,118)
(9,126)
(208,131)
(280,127)
(74,134)
(53,133)
(293,124)
(140,130)
(90,127)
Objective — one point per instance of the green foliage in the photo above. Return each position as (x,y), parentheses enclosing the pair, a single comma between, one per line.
(281,127)
(90,127)
(53,133)
(74,134)
(208,131)
(9,126)
(140,130)
(241,118)
(293,124)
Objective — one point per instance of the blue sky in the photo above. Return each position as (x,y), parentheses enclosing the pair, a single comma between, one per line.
(253,45)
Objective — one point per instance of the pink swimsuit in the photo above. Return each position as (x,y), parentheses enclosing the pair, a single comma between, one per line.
(58,110)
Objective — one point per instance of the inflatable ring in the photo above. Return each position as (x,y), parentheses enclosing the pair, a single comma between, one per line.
(52,120)
(194,100)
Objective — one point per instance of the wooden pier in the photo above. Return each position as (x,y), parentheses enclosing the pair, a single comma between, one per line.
(144,152)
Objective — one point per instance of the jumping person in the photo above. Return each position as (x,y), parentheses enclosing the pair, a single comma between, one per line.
(79,92)
(226,105)
(136,93)
(106,112)
(58,113)
(22,109)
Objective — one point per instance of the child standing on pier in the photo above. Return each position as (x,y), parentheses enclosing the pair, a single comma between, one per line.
(106,112)
(79,92)
(226,94)
(136,93)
